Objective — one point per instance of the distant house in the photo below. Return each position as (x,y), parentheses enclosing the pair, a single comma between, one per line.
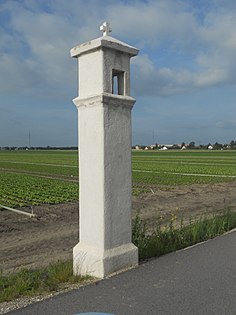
(183,147)
(210,147)
(164,148)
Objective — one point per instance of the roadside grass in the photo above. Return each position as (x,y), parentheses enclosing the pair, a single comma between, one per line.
(29,282)
(174,237)
(161,241)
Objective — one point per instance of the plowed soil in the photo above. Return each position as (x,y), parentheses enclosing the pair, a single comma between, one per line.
(31,242)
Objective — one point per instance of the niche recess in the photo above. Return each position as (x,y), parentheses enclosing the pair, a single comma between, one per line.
(118,82)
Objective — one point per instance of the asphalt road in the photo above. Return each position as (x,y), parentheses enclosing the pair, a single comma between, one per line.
(198,280)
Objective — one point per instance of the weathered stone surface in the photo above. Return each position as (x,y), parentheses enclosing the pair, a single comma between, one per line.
(104,157)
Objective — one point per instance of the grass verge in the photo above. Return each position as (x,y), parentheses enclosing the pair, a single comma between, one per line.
(35,282)
(171,238)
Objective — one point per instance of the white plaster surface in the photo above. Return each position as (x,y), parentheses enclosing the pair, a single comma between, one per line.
(104,161)
(97,59)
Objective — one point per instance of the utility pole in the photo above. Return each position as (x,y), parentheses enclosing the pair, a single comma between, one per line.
(29,140)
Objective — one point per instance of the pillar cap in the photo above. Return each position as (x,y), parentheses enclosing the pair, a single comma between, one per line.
(103,42)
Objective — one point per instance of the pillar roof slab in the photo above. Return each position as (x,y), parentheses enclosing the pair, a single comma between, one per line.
(103,42)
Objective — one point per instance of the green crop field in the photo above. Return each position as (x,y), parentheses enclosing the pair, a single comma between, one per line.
(183,167)
(37,177)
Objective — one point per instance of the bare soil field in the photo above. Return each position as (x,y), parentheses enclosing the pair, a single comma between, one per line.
(30,242)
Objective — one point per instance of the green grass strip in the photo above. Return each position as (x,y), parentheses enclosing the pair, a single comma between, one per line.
(35,282)
(170,238)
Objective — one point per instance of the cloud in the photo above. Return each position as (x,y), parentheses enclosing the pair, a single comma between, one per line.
(154,23)
(213,62)
(152,81)
(203,45)
(37,37)
(34,48)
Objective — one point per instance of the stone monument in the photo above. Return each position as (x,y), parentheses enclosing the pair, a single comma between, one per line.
(105,179)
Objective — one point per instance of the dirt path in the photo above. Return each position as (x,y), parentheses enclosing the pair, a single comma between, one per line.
(37,242)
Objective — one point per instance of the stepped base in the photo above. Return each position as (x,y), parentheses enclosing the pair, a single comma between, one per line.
(91,261)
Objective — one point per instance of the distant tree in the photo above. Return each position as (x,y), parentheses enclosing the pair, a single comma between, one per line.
(217,146)
(233,144)
(191,145)
(175,147)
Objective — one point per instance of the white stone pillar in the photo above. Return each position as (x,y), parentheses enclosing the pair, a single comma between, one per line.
(104,157)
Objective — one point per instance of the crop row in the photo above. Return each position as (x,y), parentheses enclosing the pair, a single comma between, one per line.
(165,178)
(18,190)
(48,157)
(24,190)
(187,168)
(54,169)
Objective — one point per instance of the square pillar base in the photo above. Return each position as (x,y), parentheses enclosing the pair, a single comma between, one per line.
(97,263)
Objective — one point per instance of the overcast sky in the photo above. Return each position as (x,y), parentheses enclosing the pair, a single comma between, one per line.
(183,79)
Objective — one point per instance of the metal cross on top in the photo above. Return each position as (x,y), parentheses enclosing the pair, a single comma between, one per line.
(106,29)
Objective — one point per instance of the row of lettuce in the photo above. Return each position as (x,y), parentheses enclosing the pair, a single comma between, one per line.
(52,177)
